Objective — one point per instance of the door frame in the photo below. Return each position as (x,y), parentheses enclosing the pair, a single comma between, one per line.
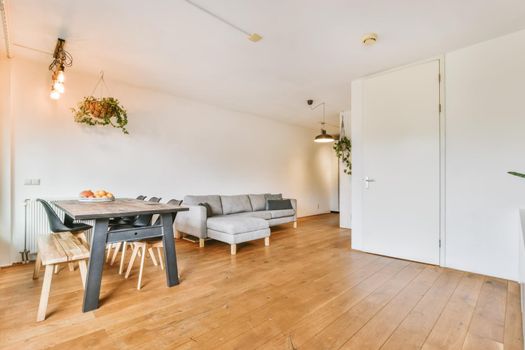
(356,116)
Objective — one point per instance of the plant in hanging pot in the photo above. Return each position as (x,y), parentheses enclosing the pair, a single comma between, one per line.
(343,151)
(101,111)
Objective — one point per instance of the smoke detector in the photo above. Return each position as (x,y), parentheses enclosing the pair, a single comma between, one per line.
(369,39)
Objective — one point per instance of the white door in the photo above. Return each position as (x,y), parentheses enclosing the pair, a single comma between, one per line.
(401,154)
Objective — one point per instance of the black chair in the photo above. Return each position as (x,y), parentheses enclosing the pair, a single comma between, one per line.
(145,220)
(173,215)
(139,221)
(56,224)
(148,245)
(126,219)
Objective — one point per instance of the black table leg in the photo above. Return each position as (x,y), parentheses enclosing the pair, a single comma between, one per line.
(96,265)
(172,274)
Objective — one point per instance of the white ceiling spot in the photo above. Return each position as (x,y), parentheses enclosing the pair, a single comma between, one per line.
(307,50)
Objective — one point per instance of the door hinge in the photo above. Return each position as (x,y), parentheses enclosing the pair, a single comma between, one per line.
(439,243)
(440,108)
(439,77)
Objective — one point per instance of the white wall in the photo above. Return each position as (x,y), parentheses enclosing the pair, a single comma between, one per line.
(521,261)
(334,182)
(484,138)
(175,147)
(5,161)
(345,184)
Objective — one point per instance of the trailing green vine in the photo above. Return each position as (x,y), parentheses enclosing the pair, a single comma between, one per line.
(516,174)
(101,111)
(343,151)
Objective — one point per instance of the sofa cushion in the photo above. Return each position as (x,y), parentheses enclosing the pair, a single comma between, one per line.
(258,201)
(236,225)
(240,237)
(269,196)
(263,214)
(281,213)
(214,201)
(235,204)
(279,204)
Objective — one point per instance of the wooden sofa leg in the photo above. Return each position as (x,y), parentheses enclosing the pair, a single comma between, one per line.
(267,241)
(233,249)
(295,224)
(178,234)
(201,242)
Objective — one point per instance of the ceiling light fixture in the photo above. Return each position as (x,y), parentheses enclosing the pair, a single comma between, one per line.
(369,39)
(254,37)
(61,59)
(323,137)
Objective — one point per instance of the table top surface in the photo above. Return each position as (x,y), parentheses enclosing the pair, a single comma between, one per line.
(117,208)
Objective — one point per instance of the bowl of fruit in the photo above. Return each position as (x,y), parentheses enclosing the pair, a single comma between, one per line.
(97,196)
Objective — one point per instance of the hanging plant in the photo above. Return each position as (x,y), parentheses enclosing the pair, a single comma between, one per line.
(101,111)
(343,151)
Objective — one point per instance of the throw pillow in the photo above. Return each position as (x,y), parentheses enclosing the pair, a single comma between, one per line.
(279,204)
(209,212)
(268,197)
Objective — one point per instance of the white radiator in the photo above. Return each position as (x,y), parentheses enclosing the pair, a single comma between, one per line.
(36,223)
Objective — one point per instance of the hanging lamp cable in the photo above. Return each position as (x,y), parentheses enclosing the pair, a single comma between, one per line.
(251,36)
(315,107)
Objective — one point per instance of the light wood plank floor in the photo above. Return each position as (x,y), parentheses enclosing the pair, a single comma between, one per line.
(308,290)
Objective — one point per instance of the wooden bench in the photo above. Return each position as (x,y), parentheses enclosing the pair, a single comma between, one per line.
(53,249)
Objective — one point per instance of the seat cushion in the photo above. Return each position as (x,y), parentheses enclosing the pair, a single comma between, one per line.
(239,238)
(263,214)
(236,225)
(281,213)
(258,201)
(235,204)
(214,201)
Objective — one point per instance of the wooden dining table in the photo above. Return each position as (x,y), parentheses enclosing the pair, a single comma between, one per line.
(101,213)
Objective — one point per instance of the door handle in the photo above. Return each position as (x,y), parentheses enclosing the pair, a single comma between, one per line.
(367,182)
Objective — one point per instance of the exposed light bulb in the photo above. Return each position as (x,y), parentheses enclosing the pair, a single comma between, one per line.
(58,86)
(55,95)
(60,76)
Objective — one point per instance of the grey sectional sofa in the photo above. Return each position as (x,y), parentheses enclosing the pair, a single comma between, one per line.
(232,219)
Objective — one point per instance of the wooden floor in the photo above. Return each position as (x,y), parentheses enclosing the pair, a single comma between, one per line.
(308,290)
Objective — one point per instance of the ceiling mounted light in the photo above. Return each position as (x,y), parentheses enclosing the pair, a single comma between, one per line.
(369,39)
(254,37)
(61,59)
(323,137)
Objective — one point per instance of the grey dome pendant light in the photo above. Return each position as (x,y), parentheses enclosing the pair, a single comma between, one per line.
(323,137)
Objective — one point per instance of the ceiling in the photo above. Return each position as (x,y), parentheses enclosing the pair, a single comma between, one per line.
(311,48)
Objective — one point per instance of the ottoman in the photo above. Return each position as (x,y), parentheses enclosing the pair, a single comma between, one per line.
(233,230)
